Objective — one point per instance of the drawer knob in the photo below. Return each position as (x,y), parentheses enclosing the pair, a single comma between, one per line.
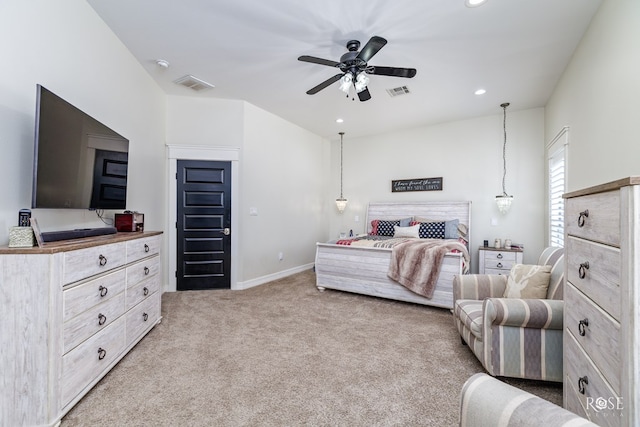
(499,265)
(102,353)
(101,319)
(499,256)
(103,290)
(146,271)
(582,270)
(145,316)
(582,325)
(145,291)
(102,260)
(146,247)
(582,383)
(582,216)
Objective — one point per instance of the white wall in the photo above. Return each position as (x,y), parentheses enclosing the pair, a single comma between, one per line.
(282,173)
(598,97)
(66,47)
(468,155)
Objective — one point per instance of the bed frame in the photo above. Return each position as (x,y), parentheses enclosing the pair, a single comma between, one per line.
(363,270)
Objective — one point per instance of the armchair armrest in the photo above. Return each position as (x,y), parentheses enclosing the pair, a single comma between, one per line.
(478,286)
(524,313)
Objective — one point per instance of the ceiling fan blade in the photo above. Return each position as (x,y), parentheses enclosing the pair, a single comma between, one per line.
(364,95)
(314,60)
(324,84)
(372,47)
(392,71)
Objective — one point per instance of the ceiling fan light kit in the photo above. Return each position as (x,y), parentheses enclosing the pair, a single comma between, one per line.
(354,68)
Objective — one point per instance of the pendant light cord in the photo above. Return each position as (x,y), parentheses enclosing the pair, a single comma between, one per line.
(504,148)
(341,134)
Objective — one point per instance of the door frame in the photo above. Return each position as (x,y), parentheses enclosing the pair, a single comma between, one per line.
(200,152)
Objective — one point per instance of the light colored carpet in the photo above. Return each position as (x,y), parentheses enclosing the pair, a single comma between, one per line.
(285,354)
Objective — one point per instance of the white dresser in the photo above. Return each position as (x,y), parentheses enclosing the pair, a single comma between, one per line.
(70,311)
(602,303)
(497,261)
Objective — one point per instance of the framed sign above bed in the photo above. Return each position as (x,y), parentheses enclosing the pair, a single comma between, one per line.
(416,184)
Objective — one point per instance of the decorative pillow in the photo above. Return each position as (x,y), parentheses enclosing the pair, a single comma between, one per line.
(528,281)
(450,227)
(411,231)
(430,230)
(380,227)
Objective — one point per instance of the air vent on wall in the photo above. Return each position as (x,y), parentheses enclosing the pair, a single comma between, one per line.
(193,83)
(396,91)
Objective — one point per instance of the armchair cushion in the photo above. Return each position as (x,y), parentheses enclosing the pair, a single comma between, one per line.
(528,281)
(478,286)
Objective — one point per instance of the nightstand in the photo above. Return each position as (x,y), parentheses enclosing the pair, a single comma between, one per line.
(498,261)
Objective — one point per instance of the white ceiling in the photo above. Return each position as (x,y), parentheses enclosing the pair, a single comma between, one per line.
(515,49)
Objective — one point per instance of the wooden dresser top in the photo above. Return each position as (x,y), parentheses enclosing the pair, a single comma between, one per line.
(71,245)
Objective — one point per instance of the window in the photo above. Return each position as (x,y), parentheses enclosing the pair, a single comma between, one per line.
(556,156)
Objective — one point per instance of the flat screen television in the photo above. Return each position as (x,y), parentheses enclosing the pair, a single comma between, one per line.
(79,163)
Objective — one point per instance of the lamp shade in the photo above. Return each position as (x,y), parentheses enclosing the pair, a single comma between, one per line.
(504,202)
(341,204)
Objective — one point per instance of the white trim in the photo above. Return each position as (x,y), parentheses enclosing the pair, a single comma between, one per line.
(271,277)
(200,152)
(559,143)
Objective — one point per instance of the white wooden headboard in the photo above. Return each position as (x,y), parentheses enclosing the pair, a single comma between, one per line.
(440,211)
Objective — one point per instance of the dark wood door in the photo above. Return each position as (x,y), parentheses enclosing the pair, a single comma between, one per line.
(204,225)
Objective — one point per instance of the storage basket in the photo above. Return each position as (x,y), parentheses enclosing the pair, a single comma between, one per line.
(21,237)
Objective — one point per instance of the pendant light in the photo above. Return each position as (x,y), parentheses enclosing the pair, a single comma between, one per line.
(341,203)
(504,200)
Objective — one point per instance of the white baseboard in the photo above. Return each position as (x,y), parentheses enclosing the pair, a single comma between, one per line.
(271,277)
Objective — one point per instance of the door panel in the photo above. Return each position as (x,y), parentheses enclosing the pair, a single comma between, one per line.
(204,212)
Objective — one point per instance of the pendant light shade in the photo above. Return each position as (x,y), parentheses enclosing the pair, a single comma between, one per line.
(504,200)
(341,203)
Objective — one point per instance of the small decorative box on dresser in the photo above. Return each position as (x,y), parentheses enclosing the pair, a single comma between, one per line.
(602,303)
(498,261)
(70,311)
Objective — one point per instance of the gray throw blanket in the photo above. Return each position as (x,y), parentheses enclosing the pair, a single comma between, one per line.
(416,264)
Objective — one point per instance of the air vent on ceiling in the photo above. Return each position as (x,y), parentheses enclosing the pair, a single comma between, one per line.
(396,91)
(193,83)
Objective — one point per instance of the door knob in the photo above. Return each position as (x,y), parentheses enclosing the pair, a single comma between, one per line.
(226,231)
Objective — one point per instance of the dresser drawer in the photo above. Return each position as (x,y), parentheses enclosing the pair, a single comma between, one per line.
(83,263)
(82,297)
(142,270)
(497,271)
(595,270)
(142,317)
(142,290)
(98,317)
(88,361)
(603,221)
(580,366)
(142,248)
(601,339)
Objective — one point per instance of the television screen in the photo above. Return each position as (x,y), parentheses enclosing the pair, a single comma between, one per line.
(79,163)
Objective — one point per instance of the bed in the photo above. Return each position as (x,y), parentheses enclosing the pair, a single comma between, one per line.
(364,269)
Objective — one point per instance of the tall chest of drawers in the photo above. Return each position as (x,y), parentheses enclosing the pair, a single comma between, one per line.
(602,303)
(70,311)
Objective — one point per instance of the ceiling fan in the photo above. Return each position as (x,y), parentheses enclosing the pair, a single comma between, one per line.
(354,68)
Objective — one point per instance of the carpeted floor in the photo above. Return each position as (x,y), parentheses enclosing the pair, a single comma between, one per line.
(284,354)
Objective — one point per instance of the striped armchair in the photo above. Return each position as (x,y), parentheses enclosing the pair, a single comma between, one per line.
(520,338)
(486,401)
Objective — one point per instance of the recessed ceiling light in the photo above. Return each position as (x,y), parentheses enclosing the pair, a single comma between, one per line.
(474,3)
(480,92)
(339,121)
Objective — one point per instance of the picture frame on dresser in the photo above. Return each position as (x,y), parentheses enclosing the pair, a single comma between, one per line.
(36,231)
